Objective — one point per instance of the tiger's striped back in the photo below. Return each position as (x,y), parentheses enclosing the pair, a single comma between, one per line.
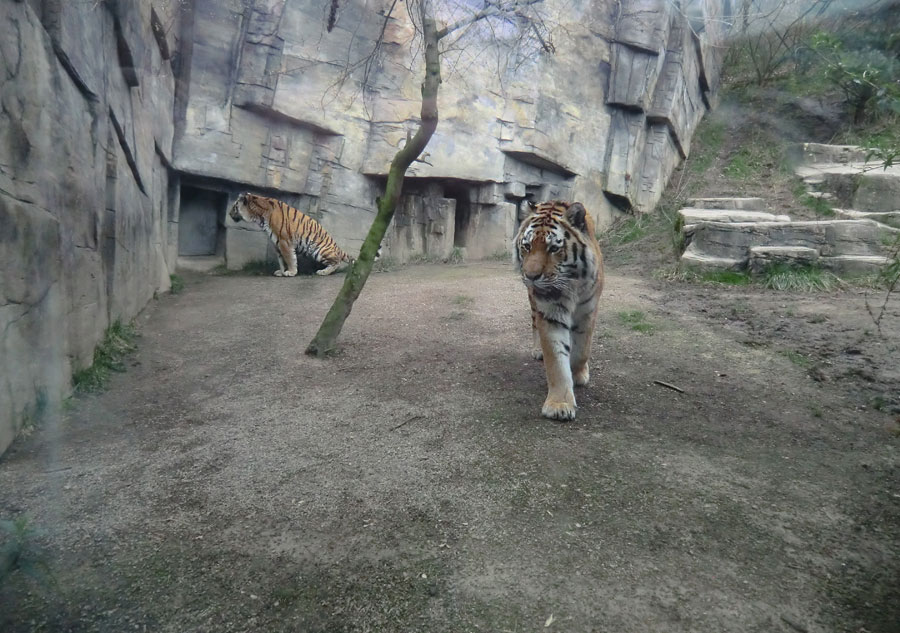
(290,230)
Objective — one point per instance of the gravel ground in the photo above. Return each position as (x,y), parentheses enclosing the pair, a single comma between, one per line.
(227,482)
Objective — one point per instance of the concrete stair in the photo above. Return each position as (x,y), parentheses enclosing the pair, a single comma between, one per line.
(860,189)
(842,246)
(740,234)
(747,204)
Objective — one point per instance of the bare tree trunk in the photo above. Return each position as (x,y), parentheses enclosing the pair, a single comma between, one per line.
(353,284)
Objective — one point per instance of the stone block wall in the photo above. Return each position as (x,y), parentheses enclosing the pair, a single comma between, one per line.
(86,130)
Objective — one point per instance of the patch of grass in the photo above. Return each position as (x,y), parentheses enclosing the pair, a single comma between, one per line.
(816,410)
(457,256)
(636,320)
(21,553)
(706,144)
(117,344)
(462,300)
(797,358)
(35,413)
(819,205)
(631,229)
(177,284)
(800,279)
(747,164)
(727,277)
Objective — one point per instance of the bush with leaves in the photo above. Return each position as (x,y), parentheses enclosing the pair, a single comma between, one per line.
(867,76)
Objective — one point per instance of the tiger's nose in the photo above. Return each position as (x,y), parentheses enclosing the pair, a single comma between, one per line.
(532,276)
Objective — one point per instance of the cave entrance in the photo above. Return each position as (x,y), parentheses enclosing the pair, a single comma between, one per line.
(460,193)
(201,225)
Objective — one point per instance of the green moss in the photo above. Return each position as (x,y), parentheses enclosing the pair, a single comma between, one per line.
(109,355)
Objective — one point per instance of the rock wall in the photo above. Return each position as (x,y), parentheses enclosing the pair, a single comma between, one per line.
(86,194)
(605,119)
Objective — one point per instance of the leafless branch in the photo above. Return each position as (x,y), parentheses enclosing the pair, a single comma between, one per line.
(492,9)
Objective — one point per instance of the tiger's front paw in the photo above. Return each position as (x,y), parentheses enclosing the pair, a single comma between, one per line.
(556,410)
(279,273)
(537,354)
(289,273)
(582,376)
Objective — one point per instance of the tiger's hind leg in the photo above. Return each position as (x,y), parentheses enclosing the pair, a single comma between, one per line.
(327,270)
(331,264)
(582,336)
(287,259)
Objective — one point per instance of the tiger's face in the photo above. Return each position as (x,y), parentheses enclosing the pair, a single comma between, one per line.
(540,254)
(543,249)
(240,210)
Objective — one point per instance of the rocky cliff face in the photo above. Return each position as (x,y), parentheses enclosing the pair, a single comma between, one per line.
(86,130)
(127,128)
(604,119)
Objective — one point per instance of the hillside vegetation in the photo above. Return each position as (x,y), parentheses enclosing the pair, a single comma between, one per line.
(833,79)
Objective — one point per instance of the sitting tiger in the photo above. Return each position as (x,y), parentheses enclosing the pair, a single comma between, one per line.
(561,264)
(290,230)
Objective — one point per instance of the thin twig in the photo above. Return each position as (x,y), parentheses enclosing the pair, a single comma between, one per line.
(668,386)
(407,421)
(794,625)
(57,470)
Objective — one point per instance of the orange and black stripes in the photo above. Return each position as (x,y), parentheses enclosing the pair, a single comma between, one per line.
(561,265)
(290,230)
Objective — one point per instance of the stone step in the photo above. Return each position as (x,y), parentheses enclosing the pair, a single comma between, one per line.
(829,237)
(814,153)
(761,257)
(700,262)
(727,203)
(854,264)
(841,245)
(689,216)
(890,220)
(855,186)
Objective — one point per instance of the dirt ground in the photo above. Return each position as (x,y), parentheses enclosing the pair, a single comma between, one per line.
(227,482)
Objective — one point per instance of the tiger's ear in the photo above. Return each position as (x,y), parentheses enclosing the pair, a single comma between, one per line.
(575,215)
(532,205)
